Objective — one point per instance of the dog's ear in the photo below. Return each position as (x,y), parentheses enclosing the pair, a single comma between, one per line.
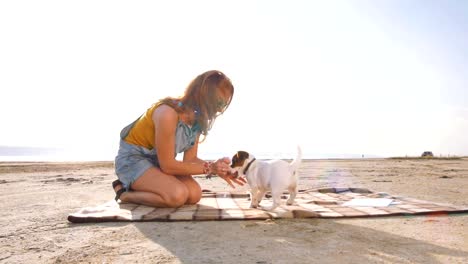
(243,155)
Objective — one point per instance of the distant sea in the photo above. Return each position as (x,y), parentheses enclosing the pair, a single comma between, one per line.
(8,153)
(39,154)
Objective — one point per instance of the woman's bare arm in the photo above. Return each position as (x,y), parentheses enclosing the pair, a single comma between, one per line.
(165,121)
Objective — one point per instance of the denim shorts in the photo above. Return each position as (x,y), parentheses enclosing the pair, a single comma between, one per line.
(132,162)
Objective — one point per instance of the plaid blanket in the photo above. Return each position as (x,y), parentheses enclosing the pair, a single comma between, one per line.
(316,203)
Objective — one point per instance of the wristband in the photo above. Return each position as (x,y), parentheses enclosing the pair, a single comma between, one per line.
(207,167)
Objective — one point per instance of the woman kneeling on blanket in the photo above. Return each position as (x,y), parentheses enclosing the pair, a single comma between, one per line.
(146,163)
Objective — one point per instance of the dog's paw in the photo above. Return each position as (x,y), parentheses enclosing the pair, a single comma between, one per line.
(289,202)
(253,205)
(269,208)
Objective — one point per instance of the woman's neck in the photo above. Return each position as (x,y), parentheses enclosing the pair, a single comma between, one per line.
(188,117)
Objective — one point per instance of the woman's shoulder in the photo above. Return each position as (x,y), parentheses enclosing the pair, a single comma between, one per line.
(164,112)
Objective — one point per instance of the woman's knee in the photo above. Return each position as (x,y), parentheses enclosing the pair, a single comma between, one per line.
(177,197)
(194,189)
(194,196)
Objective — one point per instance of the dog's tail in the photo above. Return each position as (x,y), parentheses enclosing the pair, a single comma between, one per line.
(297,161)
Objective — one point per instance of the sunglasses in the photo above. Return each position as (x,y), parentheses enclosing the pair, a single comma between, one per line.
(221,104)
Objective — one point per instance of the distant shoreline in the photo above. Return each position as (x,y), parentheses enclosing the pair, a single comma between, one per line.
(10,154)
(110,162)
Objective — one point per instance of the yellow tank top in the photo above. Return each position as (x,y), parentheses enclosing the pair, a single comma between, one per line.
(142,133)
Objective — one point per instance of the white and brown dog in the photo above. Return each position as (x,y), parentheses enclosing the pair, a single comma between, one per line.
(272,175)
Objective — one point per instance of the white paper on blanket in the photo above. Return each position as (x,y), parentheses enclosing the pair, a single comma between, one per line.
(373,202)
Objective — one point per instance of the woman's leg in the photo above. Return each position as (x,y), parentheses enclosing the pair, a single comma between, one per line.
(155,188)
(193,188)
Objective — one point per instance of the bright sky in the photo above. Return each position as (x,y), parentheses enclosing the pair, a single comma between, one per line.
(386,78)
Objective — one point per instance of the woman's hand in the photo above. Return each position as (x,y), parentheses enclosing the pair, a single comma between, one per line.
(222,169)
(230,178)
(221,166)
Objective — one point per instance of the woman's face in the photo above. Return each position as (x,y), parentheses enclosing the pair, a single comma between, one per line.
(223,97)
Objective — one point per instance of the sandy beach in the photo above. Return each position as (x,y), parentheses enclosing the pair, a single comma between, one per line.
(36,198)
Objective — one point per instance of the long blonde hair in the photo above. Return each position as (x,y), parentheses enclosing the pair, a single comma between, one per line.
(201,96)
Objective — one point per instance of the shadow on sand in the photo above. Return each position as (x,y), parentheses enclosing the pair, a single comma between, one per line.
(290,241)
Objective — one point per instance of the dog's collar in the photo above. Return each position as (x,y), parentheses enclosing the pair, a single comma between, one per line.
(248,165)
